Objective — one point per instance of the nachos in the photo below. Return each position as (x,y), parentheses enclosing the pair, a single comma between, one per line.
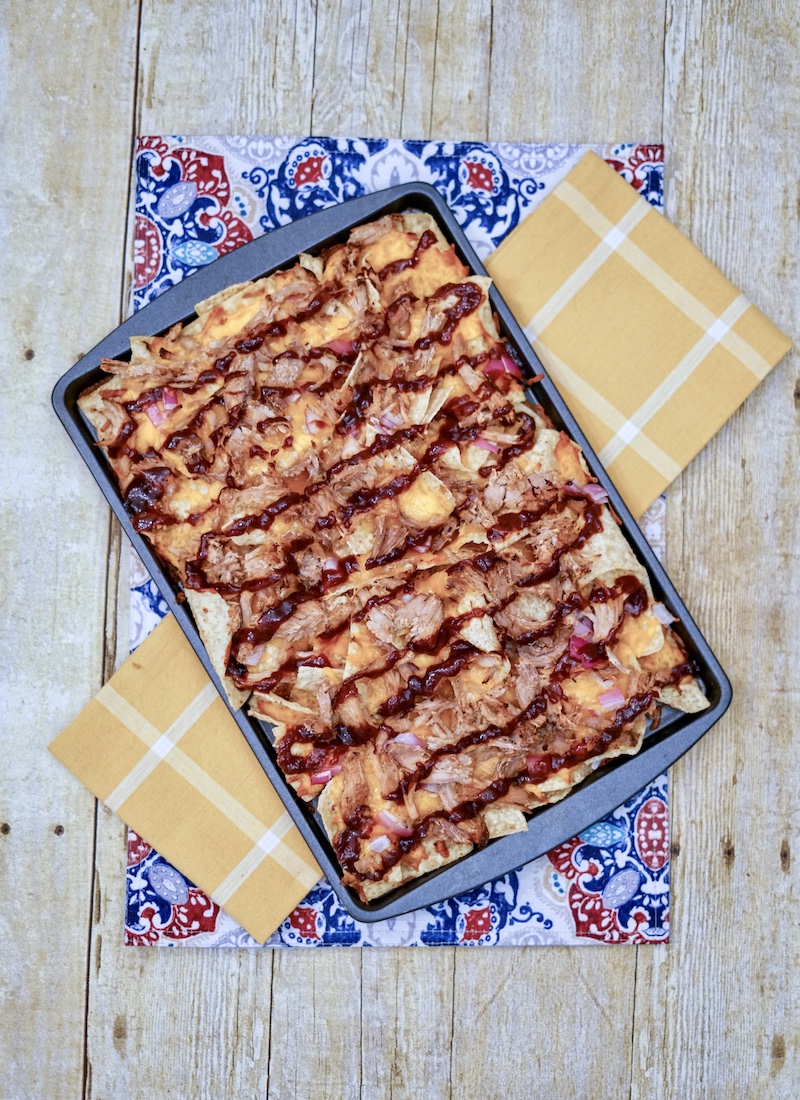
(389,549)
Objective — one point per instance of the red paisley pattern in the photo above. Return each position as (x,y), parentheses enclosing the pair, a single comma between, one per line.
(206,171)
(208,174)
(304,919)
(652,834)
(477,924)
(155,144)
(138,849)
(479,176)
(309,171)
(633,167)
(236,232)
(146,251)
(198,914)
(593,920)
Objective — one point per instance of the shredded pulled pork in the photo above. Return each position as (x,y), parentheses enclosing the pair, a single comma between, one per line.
(402,544)
(399,624)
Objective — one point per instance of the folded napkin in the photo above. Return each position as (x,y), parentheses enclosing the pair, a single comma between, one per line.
(651,346)
(159,747)
(653,349)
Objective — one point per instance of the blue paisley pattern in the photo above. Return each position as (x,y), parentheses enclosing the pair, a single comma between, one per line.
(198,197)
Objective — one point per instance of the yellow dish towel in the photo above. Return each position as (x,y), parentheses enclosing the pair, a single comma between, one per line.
(653,349)
(648,342)
(160,748)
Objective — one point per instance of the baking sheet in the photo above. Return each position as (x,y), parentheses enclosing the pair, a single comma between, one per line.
(551,825)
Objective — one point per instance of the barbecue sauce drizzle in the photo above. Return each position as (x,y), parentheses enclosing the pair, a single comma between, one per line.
(145,490)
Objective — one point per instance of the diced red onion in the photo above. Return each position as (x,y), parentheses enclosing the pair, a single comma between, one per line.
(511,366)
(584,628)
(389,421)
(169,397)
(576,644)
(576,649)
(595,493)
(390,822)
(292,397)
(325,774)
(433,788)
(380,844)
(407,739)
(486,445)
(599,680)
(663,615)
(504,364)
(155,414)
(313,423)
(611,700)
(255,656)
(340,347)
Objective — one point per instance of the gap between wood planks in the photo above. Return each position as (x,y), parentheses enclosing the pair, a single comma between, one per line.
(113,565)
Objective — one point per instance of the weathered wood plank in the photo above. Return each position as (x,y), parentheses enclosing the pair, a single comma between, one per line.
(419,54)
(558,1019)
(373,64)
(65,120)
(576,72)
(719,1014)
(461,71)
(225,68)
(316,1032)
(407,1022)
(196,1022)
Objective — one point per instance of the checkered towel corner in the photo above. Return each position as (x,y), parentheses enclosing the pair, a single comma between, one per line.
(159,747)
(652,347)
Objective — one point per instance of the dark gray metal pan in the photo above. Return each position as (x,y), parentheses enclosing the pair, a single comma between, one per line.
(597,796)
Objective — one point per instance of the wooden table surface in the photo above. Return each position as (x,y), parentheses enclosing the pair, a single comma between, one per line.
(714,1014)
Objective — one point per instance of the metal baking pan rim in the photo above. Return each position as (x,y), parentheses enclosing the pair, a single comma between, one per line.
(550,825)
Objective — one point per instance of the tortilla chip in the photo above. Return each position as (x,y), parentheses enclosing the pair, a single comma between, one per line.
(688,697)
(394,547)
(216,620)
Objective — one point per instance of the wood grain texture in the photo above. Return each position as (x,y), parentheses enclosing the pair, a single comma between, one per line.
(407,1022)
(517,1022)
(316,1036)
(195,1024)
(578,72)
(719,1014)
(66,117)
(462,71)
(373,66)
(227,68)
(713,1015)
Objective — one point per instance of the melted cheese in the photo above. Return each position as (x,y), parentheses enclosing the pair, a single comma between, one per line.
(638,636)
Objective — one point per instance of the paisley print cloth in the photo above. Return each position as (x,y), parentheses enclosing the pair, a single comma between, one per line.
(197,198)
